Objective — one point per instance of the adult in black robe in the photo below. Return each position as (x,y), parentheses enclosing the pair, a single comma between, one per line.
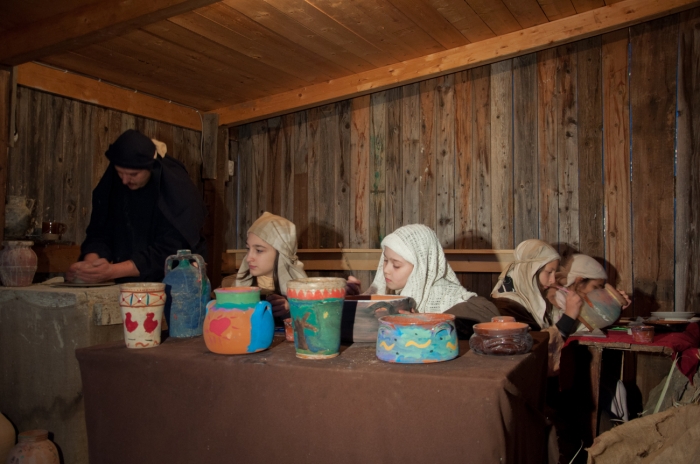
(144,209)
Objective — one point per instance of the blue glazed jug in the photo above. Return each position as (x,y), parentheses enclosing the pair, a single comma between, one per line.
(188,290)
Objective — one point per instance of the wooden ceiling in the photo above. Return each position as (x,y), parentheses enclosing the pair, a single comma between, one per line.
(247,59)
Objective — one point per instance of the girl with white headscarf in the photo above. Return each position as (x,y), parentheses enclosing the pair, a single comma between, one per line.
(431,283)
(271,260)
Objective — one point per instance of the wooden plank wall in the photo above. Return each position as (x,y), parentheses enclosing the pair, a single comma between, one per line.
(59,155)
(575,145)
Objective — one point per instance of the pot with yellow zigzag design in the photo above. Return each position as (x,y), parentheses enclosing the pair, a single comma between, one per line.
(417,338)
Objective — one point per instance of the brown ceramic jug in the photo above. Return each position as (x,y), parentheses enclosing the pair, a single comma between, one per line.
(34,447)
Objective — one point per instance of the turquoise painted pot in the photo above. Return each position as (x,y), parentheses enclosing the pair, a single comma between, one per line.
(237,322)
(316,305)
(417,338)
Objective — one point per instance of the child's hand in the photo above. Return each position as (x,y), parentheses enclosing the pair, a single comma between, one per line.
(280,305)
(573,305)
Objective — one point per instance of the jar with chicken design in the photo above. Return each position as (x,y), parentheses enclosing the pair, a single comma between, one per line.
(417,338)
(142,306)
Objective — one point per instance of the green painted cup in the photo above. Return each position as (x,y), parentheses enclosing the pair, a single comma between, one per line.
(316,305)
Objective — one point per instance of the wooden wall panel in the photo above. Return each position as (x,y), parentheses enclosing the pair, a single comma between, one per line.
(410,153)
(394,176)
(59,156)
(377,169)
(428,146)
(687,271)
(445,161)
(653,106)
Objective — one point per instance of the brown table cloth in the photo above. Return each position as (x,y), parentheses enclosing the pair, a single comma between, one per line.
(179,403)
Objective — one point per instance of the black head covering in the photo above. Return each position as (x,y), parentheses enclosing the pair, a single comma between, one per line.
(132,150)
(178,198)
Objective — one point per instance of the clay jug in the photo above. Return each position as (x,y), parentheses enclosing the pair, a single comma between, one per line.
(34,447)
(187,289)
(237,322)
(7,438)
(316,306)
(18,216)
(601,307)
(17,263)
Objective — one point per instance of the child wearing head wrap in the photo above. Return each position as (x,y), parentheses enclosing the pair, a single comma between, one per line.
(271,260)
(580,274)
(413,264)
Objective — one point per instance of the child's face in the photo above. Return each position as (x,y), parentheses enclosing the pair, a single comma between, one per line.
(588,286)
(546,275)
(260,257)
(396,270)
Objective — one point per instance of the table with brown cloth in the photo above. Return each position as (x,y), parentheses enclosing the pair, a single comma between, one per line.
(180,403)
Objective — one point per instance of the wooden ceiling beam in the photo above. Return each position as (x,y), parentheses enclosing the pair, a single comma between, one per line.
(551,34)
(86,25)
(101,93)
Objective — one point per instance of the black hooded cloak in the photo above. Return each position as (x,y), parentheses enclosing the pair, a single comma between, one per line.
(148,224)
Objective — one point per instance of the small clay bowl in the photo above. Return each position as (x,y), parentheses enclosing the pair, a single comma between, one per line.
(643,333)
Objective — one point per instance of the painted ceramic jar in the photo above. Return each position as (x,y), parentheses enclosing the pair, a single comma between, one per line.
(501,338)
(316,305)
(602,307)
(142,306)
(417,338)
(237,322)
(361,314)
(18,263)
(33,447)
(187,291)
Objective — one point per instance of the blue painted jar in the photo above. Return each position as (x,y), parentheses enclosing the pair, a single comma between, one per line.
(417,338)
(188,290)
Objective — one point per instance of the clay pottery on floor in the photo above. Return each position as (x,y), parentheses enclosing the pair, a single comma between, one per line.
(601,307)
(361,314)
(417,338)
(18,263)
(237,322)
(18,216)
(316,305)
(33,447)
(501,338)
(141,306)
(7,438)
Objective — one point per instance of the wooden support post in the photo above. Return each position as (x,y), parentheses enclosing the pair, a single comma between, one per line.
(596,362)
(214,193)
(210,128)
(5,137)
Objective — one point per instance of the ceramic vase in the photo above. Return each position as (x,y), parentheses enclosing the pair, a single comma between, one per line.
(187,290)
(601,307)
(33,447)
(417,338)
(18,216)
(18,263)
(237,322)
(141,306)
(316,305)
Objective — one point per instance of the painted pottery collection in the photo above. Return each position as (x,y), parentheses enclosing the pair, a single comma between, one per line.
(33,447)
(602,307)
(316,305)
(142,306)
(237,322)
(18,263)
(501,338)
(361,314)
(417,338)
(18,216)
(187,290)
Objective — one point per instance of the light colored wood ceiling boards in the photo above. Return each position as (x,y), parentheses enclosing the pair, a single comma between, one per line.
(249,59)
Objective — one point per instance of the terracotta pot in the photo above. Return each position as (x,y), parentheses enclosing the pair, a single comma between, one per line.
(141,306)
(501,338)
(7,438)
(34,447)
(417,338)
(18,263)
(643,333)
(361,314)
(237,322)
(316,305)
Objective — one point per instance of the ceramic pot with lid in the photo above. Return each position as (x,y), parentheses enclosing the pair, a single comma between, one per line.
(501,338)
